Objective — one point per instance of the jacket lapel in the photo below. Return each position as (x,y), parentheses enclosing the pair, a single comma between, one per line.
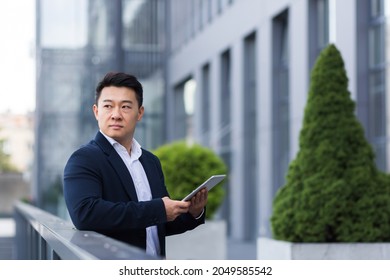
(118,165)
(152,175)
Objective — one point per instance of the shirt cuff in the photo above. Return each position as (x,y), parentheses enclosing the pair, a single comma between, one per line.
(201,214)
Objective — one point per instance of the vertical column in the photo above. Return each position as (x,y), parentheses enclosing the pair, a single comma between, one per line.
(264,126)
(299,73)
(237,188)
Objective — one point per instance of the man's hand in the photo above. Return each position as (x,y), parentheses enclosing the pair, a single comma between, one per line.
(198,202)
(174,208)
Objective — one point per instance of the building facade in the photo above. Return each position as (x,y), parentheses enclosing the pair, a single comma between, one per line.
(251,63)
(230,74)
(78,41)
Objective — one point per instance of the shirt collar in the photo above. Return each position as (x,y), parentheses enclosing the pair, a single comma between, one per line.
(136,150)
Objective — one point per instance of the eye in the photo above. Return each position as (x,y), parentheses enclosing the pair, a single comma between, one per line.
(126,107)
(108,106)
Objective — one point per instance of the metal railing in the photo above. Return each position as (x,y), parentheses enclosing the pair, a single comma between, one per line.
(43,236)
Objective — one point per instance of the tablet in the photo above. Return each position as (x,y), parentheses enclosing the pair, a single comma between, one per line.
(209,184)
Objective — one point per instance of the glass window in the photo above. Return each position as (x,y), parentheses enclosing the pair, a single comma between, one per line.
(377,8)
(143,23)
(180,126)
(206,104)
(322,23)
(151,127)
(184,109)
(63,23)
(189,106)
(377,105)
(281,103)
(209,10)
(101,34)
(201,13)
(225,100)
(376,45)
(377,81)
(250,137)
(219,6)
(318,28)
(224,126)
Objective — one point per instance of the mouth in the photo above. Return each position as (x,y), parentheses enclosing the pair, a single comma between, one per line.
(115,126)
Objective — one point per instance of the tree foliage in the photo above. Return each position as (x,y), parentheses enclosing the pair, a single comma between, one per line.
(334,191)
(187,166)
(5,163)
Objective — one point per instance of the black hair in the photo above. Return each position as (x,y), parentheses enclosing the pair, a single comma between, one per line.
(120,79)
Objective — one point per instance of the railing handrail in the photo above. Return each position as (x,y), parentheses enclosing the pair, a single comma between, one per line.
(42,235)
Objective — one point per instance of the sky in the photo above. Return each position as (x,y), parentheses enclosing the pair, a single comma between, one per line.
(17,61)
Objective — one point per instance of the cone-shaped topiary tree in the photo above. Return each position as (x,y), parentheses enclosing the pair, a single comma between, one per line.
(187,166)
(333,190)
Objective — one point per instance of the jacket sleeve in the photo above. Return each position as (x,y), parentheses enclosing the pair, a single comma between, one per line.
(92,207)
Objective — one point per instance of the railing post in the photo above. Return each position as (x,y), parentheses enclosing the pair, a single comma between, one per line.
(21,226)
(42,249)
(54,255)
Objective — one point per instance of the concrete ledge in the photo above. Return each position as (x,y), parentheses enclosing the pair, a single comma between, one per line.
(206,242)
(7,227)
(270,249)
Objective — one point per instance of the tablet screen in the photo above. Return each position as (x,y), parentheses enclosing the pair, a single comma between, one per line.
(209,184)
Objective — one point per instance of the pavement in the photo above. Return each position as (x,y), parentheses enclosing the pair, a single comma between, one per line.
(7,227)
(241,250)
(7,233)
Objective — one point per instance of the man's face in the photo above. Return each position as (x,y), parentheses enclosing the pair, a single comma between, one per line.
(117,113)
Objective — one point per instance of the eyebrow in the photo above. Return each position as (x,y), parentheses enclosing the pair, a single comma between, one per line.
(122,101)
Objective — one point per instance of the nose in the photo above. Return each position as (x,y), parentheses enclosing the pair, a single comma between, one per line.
(116,115)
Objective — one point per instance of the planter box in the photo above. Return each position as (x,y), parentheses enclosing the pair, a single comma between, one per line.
(206,242)
(270,249)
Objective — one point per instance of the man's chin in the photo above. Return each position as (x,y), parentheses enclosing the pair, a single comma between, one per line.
(114,134)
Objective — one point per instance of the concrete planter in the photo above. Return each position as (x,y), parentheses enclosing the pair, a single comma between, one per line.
(206,242)
(270,249)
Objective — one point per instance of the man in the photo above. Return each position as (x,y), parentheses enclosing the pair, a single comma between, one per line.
(113,186)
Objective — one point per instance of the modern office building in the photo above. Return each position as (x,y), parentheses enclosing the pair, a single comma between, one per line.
(251,63)
(78,41)
(230,74)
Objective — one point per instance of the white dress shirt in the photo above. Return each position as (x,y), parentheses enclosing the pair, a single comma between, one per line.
(141,184)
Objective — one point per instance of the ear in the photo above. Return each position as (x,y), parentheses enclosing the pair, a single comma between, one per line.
(95,111)
(140,113)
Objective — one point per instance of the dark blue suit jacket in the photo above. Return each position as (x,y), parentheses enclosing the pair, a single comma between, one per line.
(100,195)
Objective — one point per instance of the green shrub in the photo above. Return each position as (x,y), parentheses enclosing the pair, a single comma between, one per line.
(186,167)
(5,160)
(333,190)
